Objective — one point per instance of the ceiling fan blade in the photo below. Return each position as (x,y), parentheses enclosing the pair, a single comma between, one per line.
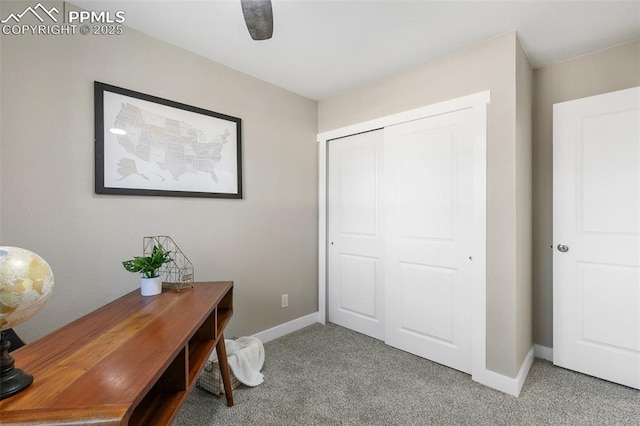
(258,16)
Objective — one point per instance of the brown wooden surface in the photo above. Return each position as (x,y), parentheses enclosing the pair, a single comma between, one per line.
(221,350)
(136,357)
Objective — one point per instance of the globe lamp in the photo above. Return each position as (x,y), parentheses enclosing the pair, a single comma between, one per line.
(26,282)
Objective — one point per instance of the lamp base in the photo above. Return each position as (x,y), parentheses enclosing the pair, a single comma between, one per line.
(12,380)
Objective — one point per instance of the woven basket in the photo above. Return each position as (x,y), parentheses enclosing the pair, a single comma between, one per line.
(211,380)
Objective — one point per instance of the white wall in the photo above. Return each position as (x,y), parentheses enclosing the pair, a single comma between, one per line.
(266,243)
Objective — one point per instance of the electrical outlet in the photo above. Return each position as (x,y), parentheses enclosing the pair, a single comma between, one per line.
(285,301)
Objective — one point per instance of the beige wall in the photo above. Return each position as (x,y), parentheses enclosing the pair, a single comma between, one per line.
(603,71)
(266,243)
(47,202)
(524,99)
(486,66)
(1,134)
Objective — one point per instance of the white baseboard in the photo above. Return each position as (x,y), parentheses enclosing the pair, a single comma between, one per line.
(543,352)
(508,385)
(286,328)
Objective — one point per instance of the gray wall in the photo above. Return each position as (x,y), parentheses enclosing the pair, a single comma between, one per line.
(524,99)
(486,66)
(266,243)
(46,173)
(1,120)
(603,71)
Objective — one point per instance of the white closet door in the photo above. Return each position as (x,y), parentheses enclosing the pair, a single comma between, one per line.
(596,227)
(356,246)
(429,178)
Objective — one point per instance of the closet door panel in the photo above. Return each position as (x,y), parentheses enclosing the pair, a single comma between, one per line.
(429,214)
(356,246)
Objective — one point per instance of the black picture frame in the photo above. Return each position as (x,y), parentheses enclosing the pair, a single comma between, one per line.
(164,148)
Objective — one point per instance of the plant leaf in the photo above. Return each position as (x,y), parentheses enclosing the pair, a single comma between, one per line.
(148,265)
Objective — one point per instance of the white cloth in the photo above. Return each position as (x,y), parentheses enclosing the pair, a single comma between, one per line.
(245,356)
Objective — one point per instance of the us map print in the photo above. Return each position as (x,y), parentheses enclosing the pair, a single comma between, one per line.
(155,147)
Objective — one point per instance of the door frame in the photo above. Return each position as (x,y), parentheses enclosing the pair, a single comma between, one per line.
(477,102)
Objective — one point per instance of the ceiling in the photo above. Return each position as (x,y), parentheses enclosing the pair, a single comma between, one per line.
(322,48)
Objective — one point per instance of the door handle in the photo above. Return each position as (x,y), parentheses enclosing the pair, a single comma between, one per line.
(562,248)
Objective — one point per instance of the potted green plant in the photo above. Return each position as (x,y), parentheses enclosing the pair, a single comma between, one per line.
(150,283)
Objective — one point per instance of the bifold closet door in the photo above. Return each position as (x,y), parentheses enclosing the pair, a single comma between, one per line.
(428,237)
(356,246)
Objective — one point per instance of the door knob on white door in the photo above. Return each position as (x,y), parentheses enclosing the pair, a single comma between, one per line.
(562,248)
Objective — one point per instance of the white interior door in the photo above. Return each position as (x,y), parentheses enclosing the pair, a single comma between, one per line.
(596,261)
(429,214)
(356,245)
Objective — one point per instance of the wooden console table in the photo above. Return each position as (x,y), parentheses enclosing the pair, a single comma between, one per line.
(133,361)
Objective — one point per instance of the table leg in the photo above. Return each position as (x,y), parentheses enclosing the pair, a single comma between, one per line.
(221,349)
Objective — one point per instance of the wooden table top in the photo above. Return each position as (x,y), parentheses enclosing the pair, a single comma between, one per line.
(108,360)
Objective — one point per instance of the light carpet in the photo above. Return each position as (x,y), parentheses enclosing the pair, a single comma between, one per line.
(329,375)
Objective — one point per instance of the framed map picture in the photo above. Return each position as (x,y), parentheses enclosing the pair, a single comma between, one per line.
(147,145)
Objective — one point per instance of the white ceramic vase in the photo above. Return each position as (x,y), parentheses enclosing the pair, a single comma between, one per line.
(150,286)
